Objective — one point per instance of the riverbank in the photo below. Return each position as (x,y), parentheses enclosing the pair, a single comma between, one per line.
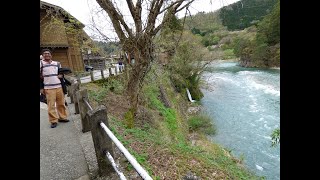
(161,140)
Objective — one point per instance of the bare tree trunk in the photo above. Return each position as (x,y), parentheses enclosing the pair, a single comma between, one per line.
(143,55)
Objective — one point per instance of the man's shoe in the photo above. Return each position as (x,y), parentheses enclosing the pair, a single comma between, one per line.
(63,120)
(53,125)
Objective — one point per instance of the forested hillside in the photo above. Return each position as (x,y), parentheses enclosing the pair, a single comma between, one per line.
(245,13)
(264,49)
(257,44)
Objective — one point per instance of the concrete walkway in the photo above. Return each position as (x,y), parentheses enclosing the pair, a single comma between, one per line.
(61,155)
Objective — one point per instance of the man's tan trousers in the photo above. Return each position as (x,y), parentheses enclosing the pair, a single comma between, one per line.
(56,96)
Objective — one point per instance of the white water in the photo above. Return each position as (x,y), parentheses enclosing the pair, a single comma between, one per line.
(245,106)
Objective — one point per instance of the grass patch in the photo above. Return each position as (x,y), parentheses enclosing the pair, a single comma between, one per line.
(98,90)
(202,124)
(143,136)
(113,84)
(129,118)
(98,95)
(169,114)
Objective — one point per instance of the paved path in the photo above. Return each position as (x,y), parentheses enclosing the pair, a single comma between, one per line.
(61,155)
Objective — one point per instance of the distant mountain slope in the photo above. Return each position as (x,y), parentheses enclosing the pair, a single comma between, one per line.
(203,22)
(244,13)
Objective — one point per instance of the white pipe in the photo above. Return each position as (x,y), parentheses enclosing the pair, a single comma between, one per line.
(87,103)
(143,173)
(189,96)
(115,167)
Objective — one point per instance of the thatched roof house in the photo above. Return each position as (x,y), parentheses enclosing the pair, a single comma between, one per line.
(62,33)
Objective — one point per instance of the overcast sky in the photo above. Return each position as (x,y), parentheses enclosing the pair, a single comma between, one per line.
(80,9)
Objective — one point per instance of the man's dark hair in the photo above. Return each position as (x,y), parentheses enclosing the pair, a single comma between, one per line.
(44,50)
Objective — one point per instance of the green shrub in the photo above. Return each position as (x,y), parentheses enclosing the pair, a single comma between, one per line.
(201,123)
(129,118)
(112,84)
(275,137)
(215,40)
(228,54)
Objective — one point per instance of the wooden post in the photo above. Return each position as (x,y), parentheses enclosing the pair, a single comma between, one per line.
(76,87)
(83,108)
(78,79)
(116,70)
(91,74)
(69,78)
(110,71)
(102,142)
(68,90)
(71,93)
(102,75)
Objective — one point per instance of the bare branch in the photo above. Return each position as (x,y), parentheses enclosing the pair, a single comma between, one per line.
(152,4)
(174,6)
(138,21)
(136,14)
(131,7)
(154,12)
(102,34)
(186,5)
(168,7)
(116,18)
(184,20)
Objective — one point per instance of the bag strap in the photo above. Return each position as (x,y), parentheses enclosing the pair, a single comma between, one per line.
(58,64)
(41,68)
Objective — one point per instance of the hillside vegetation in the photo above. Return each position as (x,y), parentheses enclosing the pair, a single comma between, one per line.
(166,140)
(255,44)
(245,13)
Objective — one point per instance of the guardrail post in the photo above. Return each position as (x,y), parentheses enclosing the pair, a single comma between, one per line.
(110,72)
(102,142)
(116,70)
(102,75)
(78,79)
(91,75)
(75,88)
(83,108)
(70,88)
(70,92)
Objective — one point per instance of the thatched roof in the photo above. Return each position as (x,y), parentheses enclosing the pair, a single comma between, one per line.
(64,13)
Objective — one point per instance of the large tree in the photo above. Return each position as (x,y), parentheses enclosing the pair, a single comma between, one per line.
(137,38)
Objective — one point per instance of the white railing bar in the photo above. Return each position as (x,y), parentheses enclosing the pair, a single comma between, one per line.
(87,103)
(143,173)
(115,167)
(189,96)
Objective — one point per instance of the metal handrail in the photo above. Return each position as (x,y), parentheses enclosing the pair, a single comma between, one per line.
(142,172)
(87,103)
(115,167)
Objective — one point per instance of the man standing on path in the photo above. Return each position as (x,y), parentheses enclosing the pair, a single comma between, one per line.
(52,88)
